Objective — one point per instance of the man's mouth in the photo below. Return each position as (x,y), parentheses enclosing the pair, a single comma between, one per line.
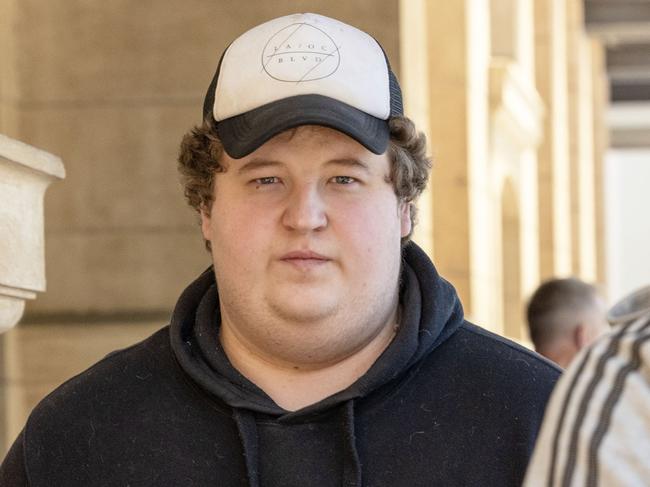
(305,259)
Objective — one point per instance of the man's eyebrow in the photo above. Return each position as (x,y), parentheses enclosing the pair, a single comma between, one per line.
(257,164)
(353,163)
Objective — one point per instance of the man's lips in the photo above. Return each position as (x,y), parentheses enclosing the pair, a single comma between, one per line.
(304,255)
(305,260)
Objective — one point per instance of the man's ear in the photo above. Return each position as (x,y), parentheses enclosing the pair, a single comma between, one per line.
(205,224)
(580,338)
(405,218)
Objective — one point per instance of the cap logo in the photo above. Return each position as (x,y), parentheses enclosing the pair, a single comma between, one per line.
(300,52)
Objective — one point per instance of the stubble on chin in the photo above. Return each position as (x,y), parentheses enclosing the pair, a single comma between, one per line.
(331,333)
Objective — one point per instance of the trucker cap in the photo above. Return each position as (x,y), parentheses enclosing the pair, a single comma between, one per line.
(302,69)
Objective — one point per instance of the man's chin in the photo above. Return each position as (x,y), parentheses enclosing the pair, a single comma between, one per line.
(300,309)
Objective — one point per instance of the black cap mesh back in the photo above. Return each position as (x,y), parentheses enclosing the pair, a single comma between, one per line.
(208,102)
(396,104)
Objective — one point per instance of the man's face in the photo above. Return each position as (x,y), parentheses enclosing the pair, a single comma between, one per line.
(305,236)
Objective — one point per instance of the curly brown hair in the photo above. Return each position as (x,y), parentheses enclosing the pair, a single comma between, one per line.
(201,151)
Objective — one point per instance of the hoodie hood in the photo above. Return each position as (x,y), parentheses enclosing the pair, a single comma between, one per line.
(430,313)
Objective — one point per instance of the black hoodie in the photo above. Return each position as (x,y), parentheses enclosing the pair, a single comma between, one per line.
(447,403)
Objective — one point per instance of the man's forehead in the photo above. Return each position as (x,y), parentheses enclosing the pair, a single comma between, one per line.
(317,133)
(327,142)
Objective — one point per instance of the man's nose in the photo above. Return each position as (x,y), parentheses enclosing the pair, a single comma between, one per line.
(305,210)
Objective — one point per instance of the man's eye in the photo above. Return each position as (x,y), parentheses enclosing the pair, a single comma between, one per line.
(343,179)
(267,180)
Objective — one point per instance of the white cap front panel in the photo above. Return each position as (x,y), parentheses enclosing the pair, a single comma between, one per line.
(303,54)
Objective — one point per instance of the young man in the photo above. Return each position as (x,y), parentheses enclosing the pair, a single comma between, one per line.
(564,316)
(322,348)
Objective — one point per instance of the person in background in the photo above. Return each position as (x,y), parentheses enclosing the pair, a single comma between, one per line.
(596,430)
(321,348)
(564,316)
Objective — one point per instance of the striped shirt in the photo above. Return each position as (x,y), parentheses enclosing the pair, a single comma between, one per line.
(596,431)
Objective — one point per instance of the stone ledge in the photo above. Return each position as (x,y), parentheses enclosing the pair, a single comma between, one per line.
(15,292)
(25,174)
(31,157)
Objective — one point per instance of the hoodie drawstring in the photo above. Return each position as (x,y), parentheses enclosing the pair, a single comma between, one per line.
(247,427)
(351,463)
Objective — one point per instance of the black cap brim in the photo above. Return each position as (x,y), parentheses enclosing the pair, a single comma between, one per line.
(244,133)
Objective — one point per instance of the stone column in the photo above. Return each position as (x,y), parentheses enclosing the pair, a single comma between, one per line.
(414,80)
(581,144)
(457,53)
(600,101)
(574,13)
(516,112)
(586,159)
(553,154)
(25,174)
(515,116)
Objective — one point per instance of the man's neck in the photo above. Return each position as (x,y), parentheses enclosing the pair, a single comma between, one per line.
(294,386)
(560,353)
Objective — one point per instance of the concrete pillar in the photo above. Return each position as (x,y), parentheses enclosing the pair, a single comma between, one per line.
(458,54)
(581,137)
(600,102)
(586,169)
(575,26)
(511,23)
(516,112)
(553,154)
(511,261)
(580,143)
(515,128)
(25,174)
(414,80)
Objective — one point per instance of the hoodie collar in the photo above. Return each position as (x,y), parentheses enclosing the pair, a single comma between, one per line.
(430,313)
